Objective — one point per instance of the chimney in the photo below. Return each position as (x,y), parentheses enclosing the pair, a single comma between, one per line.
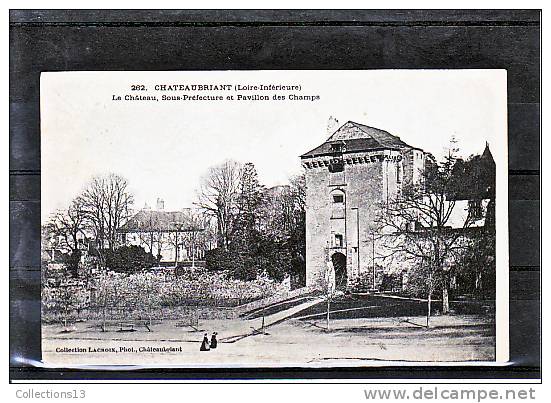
(332,125)
(160,204)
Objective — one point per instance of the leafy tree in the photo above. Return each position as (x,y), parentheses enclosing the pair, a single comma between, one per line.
(263,229)
(325,282)
(476,274)
(283,227)
(218,259)
(246,235)
(296,240)
(272,256)
(108,294)
(71,261)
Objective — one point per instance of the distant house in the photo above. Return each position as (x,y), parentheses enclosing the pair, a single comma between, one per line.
(475,196)
(474,190)
(471,197)
(171,236)
(51,251)
(54,247)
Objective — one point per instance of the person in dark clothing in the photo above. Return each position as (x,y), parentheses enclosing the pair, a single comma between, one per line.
(205,346)
(213,341)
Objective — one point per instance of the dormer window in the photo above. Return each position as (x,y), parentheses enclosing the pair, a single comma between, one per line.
(337,147)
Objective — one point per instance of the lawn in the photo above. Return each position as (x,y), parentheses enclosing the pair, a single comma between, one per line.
(363,331)
(381,306)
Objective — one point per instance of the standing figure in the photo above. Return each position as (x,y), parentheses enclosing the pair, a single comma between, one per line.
(213,341)
(205,346)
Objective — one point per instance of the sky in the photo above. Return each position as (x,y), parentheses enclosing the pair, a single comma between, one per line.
(164,147)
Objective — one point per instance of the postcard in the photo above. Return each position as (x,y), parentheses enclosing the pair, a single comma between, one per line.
(274,218)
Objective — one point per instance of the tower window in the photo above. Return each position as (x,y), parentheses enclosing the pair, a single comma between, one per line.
(338,198)
(338,240)
(336,165)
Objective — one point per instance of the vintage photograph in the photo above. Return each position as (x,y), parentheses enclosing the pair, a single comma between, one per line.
(274,218)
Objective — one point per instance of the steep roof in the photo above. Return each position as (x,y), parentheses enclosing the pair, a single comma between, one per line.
(357,137)
(487,154)
(145,220)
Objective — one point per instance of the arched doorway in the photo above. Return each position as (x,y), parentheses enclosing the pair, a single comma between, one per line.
(339,264)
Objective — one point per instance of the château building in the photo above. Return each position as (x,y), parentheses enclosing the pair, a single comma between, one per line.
(347,177)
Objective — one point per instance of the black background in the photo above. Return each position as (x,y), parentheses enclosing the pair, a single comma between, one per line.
(46,40)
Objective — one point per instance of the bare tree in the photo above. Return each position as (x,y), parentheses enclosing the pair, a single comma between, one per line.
(416,227)
(325,283)
(68,226)
(217,196)
(106,203)
(151,235)
(107,296)
(66,230)
(198,234)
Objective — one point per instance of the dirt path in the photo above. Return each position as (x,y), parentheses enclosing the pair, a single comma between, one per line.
(269,320)
(286,314)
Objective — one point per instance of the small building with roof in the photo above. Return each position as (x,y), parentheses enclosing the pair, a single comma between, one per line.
(473,190)
(171,236)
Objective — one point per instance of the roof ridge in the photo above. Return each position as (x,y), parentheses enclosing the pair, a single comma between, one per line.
(370,137)
(361,126)
(336,131)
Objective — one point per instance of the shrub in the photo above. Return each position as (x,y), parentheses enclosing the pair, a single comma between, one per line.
(112,295)
(129,259)
(71,262)
(220,259)
(245,268)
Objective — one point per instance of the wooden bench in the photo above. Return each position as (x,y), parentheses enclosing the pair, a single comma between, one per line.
(191,321)
(126,326)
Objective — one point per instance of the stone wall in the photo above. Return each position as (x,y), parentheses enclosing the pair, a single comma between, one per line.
(368,179)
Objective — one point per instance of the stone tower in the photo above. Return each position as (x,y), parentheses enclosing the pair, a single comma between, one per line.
(347,178)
